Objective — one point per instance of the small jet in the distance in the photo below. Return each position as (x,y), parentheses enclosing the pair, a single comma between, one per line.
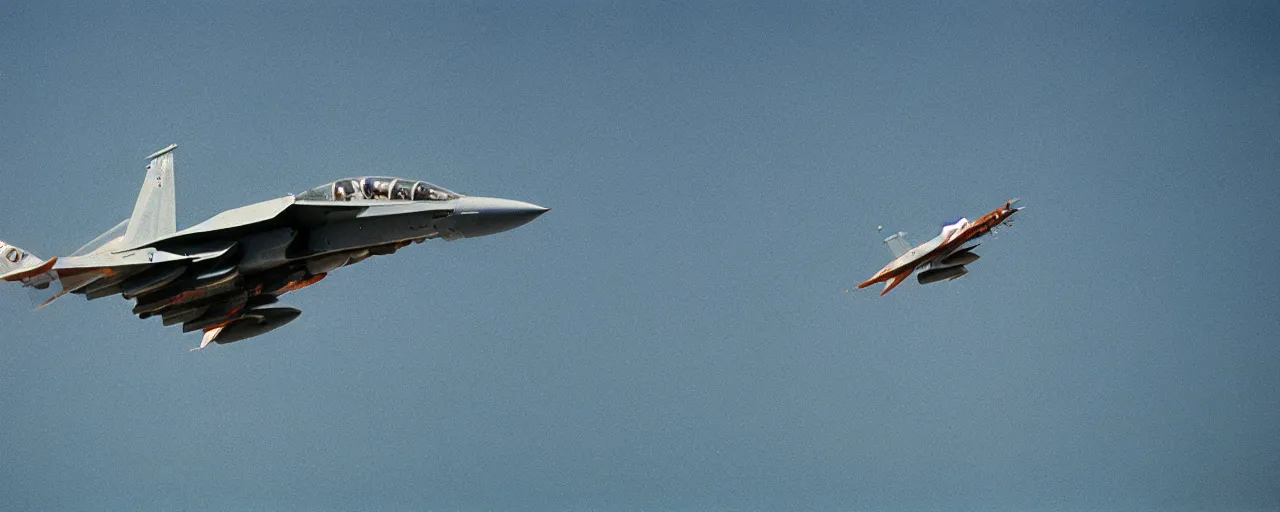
(224,275)
(943,258)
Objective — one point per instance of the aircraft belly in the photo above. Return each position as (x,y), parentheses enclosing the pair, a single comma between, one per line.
(80,282)
(942,274)
(150,280)
(107,290)
(368,232)
(327,263)
(265,250)
(955,259)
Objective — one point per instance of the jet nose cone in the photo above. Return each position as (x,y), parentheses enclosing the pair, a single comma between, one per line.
(480,216)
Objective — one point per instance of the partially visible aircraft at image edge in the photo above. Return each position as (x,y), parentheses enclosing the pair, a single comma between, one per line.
(225,275)
(944,257)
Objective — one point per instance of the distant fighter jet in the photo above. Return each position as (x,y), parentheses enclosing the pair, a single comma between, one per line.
(224,275)
(942,258)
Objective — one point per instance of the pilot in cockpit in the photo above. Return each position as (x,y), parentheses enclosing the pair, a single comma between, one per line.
(377,188)
(422,191)
(346,190)
(402,191)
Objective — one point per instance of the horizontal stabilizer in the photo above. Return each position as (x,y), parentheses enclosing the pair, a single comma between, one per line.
(29,272)
(889,285)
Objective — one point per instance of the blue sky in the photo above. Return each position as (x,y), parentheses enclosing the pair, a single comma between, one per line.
(676,334)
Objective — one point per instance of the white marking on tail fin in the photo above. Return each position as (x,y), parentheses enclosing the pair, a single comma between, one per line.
(35,274)
(13,259)
(154,214)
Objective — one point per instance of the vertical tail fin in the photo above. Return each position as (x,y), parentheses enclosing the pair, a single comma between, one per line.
(154,215)
(898,244)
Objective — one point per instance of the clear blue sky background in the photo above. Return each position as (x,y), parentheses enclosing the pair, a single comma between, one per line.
(675,335)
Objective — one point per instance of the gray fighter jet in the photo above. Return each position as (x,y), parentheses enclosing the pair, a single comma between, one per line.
(224,276)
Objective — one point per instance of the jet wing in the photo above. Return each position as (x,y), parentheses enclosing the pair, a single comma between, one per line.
(92,274)
(290,211)
(902,266)
(919,254)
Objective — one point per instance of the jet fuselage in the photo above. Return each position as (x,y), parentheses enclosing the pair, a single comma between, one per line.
(935,252)
(224,275)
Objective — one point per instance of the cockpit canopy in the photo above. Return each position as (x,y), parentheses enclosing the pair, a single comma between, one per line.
(374,187)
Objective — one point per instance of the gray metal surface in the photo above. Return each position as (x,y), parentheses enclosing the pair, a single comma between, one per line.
(219,275)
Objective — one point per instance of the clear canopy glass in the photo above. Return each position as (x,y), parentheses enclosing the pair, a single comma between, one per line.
(378,187)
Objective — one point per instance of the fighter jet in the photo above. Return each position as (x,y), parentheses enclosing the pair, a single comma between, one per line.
(943,258)
(225,275)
